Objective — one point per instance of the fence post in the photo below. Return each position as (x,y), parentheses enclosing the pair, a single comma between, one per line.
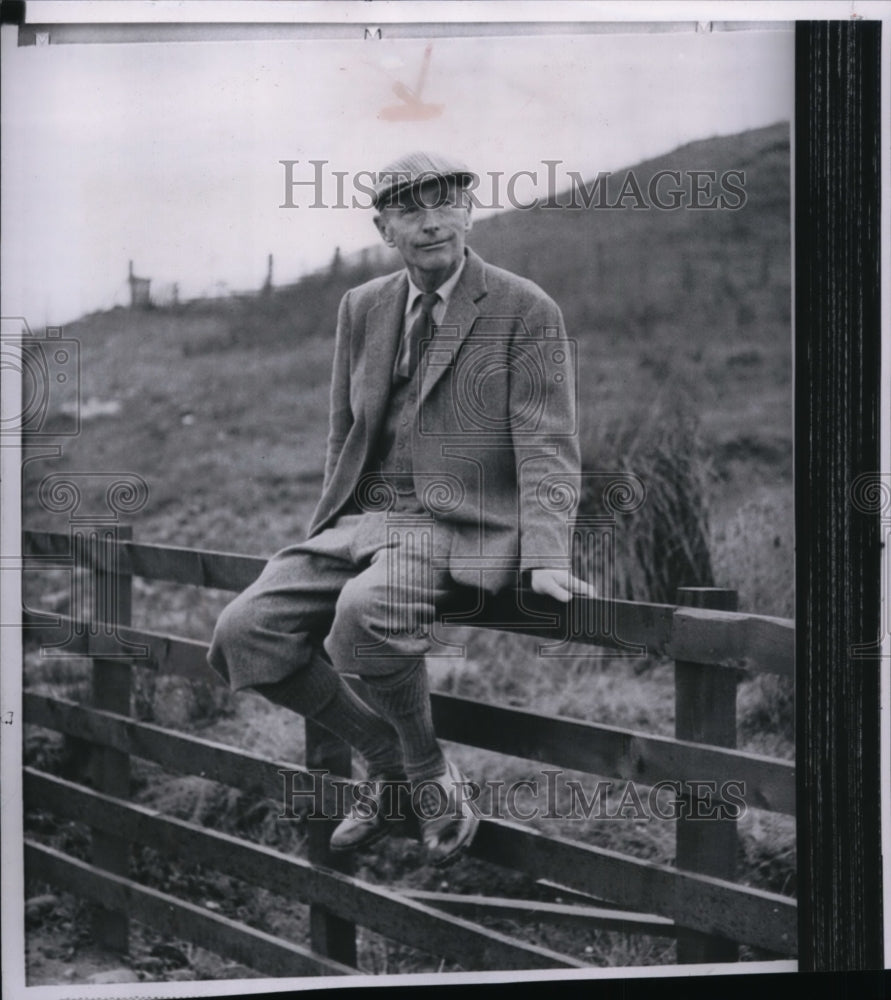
(111,689)
(330,935)
(705,712)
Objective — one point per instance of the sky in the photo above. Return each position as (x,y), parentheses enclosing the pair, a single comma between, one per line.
(168,154)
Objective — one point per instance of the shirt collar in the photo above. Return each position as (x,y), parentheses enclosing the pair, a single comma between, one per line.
(444,291)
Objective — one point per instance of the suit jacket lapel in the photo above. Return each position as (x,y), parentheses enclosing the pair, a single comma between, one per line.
(383,332)
(459,318)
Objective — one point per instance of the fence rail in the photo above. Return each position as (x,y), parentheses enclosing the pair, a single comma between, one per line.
(716,638)
(580,746)
(691,900)
(194,923)
(707,913)
(377,909)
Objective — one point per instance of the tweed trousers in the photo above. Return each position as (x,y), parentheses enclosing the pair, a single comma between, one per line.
(365,591)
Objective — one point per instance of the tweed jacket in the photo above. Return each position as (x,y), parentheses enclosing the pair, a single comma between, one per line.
(494,444)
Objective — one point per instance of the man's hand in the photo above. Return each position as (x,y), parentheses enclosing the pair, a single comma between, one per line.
(560,584)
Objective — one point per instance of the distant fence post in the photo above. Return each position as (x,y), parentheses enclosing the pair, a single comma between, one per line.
(113,603)
(330,935)
(705,712)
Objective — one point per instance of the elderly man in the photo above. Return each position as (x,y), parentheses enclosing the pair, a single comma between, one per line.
(452,411)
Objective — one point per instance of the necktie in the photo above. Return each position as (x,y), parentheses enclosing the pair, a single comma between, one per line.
(421,329)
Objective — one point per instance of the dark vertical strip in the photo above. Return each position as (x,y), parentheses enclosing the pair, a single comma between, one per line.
(837,354)
(330,935)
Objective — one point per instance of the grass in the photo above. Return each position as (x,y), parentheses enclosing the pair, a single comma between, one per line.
(753,546)
(663,544)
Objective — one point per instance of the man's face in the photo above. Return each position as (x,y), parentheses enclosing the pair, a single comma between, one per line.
(428,226)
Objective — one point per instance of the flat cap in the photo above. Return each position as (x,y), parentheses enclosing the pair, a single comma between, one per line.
(413,169)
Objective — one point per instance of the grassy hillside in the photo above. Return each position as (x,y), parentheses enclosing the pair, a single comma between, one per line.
(681,317)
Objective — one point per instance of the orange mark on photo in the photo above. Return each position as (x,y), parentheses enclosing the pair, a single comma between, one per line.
(412,107)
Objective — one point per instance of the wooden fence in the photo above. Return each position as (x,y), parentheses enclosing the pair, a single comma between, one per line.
(697,901)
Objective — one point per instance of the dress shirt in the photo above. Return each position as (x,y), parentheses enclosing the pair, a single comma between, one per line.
(413,309)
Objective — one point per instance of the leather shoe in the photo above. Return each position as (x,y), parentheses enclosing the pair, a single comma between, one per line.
(370,817)
(448,820)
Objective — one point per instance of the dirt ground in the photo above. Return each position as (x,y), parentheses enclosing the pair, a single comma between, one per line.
(60,950)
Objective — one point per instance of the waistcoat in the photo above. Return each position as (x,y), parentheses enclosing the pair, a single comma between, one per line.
(393,454)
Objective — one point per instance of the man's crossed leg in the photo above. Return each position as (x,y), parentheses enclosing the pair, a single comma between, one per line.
(360,597)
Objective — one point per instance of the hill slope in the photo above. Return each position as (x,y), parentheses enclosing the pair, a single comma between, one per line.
(224,403)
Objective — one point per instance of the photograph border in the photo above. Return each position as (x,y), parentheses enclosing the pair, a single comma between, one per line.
(842,491)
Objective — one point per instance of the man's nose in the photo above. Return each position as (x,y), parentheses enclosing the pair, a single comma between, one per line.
(431,220)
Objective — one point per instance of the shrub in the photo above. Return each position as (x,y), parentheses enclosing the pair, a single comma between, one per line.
(664,544)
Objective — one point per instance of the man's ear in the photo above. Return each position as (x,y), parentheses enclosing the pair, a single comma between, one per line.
(381,224)
(468,219)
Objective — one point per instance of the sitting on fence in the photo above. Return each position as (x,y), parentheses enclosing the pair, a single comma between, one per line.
(360,594)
